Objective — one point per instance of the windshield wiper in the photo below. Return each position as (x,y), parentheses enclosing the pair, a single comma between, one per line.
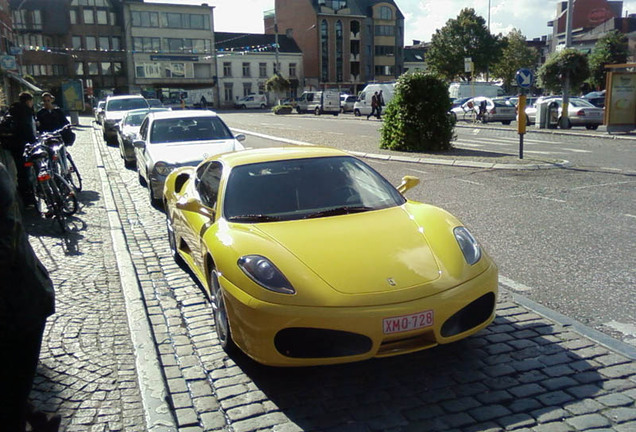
(254,218)
(339,211)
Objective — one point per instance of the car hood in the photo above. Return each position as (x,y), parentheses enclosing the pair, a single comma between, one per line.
(192,151)
(131,130)
(364,253)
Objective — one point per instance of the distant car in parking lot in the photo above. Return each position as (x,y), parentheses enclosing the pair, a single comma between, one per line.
(154,103)
(580,112)
(114,110)
(347,102)
(495,111)
(98,111)
(128,130)
(172,139)
(596,98)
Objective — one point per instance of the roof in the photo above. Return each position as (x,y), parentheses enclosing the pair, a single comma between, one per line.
(363,7)
(254,42)
(187,113)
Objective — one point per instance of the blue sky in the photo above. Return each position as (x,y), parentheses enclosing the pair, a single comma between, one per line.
(423,17)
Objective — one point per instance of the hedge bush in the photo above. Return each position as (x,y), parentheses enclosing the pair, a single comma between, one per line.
(417,119)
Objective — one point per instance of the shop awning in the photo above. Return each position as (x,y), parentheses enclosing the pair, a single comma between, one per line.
(25,83)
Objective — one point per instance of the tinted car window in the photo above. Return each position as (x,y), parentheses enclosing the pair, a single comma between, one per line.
(126,104)
(207,184)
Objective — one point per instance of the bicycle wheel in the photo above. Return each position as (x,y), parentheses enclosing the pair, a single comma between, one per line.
(40,197)
(73,175)
(57,204)
(67,199)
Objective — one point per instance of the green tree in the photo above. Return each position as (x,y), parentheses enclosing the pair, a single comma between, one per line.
(417,119)
(516,54)
(465,36)
(610,49)
(568,61)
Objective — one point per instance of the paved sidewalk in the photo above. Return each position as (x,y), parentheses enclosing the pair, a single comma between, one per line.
(526,372)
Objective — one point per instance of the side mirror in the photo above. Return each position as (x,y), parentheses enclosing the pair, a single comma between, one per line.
(240,137)
(140,144)
(408,182)
(194,206)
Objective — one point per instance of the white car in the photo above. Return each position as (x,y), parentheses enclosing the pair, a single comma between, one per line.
(495,111)
(252,101)
(347,102)
(172,139)
(114,110)
(580,112)
(128,130)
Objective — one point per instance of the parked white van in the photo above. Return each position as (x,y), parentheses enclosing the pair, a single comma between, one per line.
(458,90)
(319,102)
(251,101)
(363,105)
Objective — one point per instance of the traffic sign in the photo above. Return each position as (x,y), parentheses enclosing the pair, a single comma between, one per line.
(524,78)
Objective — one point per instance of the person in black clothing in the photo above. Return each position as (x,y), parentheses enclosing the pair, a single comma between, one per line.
(50,118)
(27,298)
(380,105)
(22,112)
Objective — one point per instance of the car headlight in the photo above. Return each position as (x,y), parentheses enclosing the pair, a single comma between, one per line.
(264,272)
(163,168)
(467,243)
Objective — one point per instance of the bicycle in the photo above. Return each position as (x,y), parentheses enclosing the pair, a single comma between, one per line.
(62,160)
(54,196)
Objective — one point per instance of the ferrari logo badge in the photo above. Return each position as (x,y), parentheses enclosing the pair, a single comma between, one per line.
(391,282)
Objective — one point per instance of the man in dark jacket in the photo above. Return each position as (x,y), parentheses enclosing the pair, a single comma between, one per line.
(22,112)
(50,117)
(26,300)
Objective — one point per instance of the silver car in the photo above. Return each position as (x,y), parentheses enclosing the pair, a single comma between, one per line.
(580,112)
(171,139)
(495,111)
(128,130)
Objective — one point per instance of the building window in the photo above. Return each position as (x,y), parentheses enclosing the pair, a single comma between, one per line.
(93,68)
(292,69)
(384,30)
(385,70)
(59,70)
(246,70)
(339,52)
(104,43)
(102,17)
(27,19)
(324,50)
(262,70)
(384,50)
(386,13)
(79,68)
(247,89)
(146,44)
(77,42)
(175,70)
(145,19)
(73,16)
(91,43)
(185,21)
(333,4)
(116,43)
(117,68)
(227,69)
(89,17)
(228,92)
(148,70)
(107,68)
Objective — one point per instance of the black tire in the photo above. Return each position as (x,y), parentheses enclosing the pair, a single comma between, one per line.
(591,126)
(506,122)
(172,240)
(263,106)
(73,176)
(317,111)
(221,322)
(142,180)
(56,204)
(68,199)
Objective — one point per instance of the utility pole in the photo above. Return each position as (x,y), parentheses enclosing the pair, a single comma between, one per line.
(277,71)
(488,64)
(565,121)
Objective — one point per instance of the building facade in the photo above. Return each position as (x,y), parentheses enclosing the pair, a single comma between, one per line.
(246,61)
(345,43)
(171,50)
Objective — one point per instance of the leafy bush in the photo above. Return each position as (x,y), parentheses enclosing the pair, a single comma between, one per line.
(558,65)
(417,119)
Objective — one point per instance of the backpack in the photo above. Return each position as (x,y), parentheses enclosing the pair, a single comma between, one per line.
(8,131)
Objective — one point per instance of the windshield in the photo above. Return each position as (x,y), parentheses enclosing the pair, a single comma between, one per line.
(171,130)
(306,188)
(126,104)
(135,119)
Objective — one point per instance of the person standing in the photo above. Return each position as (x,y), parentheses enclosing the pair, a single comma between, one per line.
(50,117)
(374,105)
(27,298)
(22,112)
(380,104)
(204,102)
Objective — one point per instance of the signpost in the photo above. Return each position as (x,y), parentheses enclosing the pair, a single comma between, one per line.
(524,78)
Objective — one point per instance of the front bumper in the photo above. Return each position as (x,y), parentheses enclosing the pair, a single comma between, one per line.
(283,335)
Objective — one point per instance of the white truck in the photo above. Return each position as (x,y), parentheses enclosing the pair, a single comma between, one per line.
(363,105)
(319,102)
(458,90)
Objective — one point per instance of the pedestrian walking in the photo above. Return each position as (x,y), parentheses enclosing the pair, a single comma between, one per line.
(27,298)
(204,101)
(22,113)
(374,105)
(380,104)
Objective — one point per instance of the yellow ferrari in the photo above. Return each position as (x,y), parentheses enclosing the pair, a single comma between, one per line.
(311,257)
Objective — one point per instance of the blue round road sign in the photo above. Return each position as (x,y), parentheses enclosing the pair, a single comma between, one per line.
(524,78)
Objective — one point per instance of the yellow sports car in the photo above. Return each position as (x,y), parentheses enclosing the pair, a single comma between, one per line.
(311,257)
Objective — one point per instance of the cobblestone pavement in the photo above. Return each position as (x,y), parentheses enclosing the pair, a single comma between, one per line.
(524,372)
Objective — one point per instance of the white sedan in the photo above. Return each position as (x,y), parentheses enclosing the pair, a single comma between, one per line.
(580,112)
(495,111)
(172,139)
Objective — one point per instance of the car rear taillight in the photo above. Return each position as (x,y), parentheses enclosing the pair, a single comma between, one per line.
(28,164)
(580,113)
